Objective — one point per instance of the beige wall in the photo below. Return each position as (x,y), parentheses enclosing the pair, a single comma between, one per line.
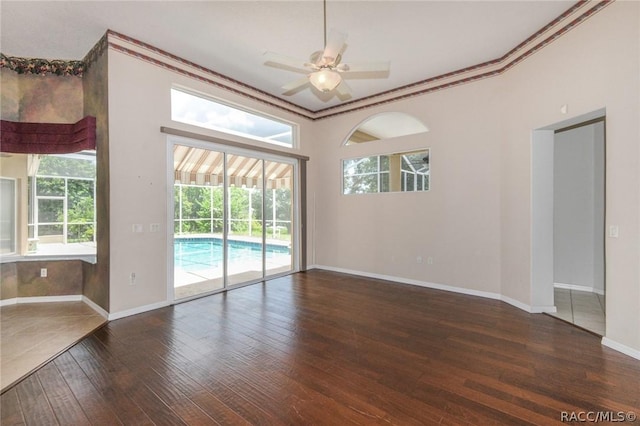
(95,88)
(476,220)
(22,279)
(456,223)
(9,95)
(139,103)
(38,99)
(593,66)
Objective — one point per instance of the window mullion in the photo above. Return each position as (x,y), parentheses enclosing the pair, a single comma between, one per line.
(65,211)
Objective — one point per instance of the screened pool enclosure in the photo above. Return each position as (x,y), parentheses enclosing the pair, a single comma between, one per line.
(61,203)
(233,218)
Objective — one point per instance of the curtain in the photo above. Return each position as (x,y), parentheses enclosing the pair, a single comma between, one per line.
(47,138)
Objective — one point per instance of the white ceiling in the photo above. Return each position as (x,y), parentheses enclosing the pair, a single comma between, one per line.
(422,39)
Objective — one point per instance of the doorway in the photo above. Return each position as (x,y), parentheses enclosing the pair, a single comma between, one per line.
(234,218)
(568,265)
(579,283)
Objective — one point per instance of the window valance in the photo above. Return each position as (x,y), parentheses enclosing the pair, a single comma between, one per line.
(48,138)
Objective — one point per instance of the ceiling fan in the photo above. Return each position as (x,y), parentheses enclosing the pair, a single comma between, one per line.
(324,70)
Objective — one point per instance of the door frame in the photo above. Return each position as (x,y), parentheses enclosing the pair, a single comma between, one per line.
(542,180)
(298,241)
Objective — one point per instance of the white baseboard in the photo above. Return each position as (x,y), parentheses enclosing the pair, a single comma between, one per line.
(7,302)
(89,302)
(462,290)
(516,303)
(95,307)
(633,353)
(42,299)
(138,310)
(544,309)
(576,287)
(53,299)
(436,286)
(532,309)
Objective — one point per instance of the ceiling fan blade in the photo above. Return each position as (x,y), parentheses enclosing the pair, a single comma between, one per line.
(365,67)
(295,86)
(343,90)
(277,60)
(335,43)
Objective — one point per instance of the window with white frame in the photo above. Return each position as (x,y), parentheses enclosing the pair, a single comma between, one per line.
(211,114)
(7,215)
(365,175)
(62,208)
(399,172)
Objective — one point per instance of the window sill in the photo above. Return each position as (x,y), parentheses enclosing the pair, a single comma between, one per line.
(89,258)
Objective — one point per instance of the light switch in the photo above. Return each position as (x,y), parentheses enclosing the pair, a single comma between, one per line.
(613,231)
(137,227)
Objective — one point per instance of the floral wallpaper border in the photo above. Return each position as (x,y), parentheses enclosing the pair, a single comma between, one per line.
(42,66)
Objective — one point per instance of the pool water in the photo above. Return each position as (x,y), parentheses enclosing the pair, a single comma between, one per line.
(195,254)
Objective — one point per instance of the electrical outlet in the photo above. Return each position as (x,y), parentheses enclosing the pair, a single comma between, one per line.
(419,259)
(43,272)
(429,260)
(154,227)
(132,279)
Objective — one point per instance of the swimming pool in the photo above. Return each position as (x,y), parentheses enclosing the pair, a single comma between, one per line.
(196,254)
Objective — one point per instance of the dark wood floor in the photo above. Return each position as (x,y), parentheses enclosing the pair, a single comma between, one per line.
(328,348)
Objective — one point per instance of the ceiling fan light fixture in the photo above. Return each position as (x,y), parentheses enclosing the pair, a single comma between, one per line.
(325,80)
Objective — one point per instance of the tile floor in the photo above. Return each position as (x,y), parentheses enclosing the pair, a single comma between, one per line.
(584,309)
(33,333)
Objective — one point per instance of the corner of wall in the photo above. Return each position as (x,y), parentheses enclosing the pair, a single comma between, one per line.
(96,285)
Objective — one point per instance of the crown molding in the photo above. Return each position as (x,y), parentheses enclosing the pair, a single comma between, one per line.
(160,58)
(572,17)
(140,50)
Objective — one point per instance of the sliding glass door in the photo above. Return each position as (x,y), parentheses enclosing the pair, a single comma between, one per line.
(245,245)
(234,220)
(279,217)
(198,256)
